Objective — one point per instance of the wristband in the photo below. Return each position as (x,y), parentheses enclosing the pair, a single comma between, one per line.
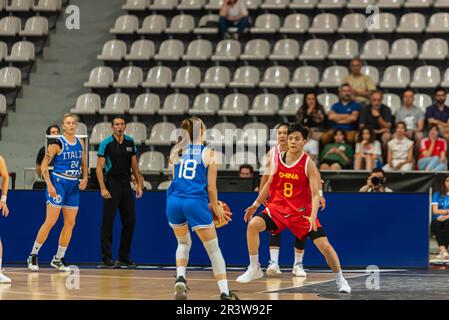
(320,193)
(3,198)
(256,204)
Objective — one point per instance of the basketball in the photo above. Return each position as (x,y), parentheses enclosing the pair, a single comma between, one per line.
(227,211)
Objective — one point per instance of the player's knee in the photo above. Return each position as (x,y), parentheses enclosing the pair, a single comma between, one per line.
(49,223)
(215,256)
(184,245)
(185,240)
(69,223)
(211,246)
(256,225)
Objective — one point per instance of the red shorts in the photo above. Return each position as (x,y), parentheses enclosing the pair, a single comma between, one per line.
(299,225)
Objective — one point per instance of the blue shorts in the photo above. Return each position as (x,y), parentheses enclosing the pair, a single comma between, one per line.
(67,190)
(191,211)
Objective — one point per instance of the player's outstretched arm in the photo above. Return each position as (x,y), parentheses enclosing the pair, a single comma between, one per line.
(314,182)
(263,195)
(52,150)
(5,182)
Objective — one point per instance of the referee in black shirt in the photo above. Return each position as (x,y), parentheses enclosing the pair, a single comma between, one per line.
(117,156)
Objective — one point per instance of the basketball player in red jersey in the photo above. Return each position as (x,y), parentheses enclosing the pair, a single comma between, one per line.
(293,204)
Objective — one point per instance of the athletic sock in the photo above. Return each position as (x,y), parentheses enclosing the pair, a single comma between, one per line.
(181,272)
(36,248)
(274,255)
(339,276)
(298,257)
(61,252)
(223,286)
(254,261)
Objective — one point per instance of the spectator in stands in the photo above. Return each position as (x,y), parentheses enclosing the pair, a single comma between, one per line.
(376,182)
(367,150)
(246,171)
(312,115)
(343,115)
(400,151)
(233,13)
(362,85)
(432,153)
(52,130)
(412,116)
(337,155)
(440,218)
(438,113)
(377,116)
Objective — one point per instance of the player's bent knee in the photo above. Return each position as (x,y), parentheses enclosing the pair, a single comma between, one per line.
(184,245)
(257,224)
(215,256)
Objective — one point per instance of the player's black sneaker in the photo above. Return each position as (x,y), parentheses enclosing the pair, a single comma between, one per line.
(59,264)
(32,262)
(230,296)
(181,288)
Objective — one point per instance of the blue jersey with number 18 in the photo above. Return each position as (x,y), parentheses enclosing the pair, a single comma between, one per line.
(190,174)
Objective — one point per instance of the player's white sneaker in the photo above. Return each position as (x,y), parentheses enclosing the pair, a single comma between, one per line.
(298,270)
(273,269)
(4,279)
(250,275)
(343,286)
(59,264)
(443,255)
(32,262)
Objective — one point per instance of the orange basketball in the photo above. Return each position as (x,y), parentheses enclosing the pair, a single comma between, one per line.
(227,212)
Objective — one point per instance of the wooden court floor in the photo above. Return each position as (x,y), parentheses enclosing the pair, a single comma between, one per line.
(100,284)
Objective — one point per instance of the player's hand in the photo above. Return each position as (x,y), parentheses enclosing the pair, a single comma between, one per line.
(312,220)
(4,209)
(83,184)
(139,192)
(322,203)
(52,191)
(105,194)
(249,212)
(219,212)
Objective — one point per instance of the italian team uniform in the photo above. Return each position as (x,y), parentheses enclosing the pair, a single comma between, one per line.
(66,174)
(187,196)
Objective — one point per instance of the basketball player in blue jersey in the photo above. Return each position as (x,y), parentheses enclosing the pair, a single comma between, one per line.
(193,186)
(63,187)
(3,210)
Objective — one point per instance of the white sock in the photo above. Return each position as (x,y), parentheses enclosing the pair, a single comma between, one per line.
(339,276)
(181,272)
(254,261)
(36,248)
(223,286)
(61,252)
(298,257)
(274,255)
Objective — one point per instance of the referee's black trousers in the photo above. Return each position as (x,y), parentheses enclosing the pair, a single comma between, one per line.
(123,200)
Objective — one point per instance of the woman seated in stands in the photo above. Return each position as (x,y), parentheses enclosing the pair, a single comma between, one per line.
(337,155)
(233,13)
(432,152)
(312,115)
(400,151)
(367,150)
(440,218)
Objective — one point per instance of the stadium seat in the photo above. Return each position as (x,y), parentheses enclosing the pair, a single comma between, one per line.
(19,5)
(426,77)
(411,23)
(445,82)
(285,50)
(266,23)
(191,4)
(314,49)
(213,5)
(175,104)
(422,101)
(375,49)
(256,50)
(158,77)
(138,131)
(265,104)
(253,4)
(434,49)
(438,23)
(275,4)
(353,23)
(146,104)
(22,51)
(126,24)
(198,50)
(227,132)
(151,162)
(390,4)
(116,103)
(204,26)
(187,77)
(3,51)
(276,77)
(393,101)
(100,132)
(254,133)
(205,104)
(129,77)
(372,72)
(305,77)
(88,103)
(235,104)
(161,134)
(216,78)
(227,50)
(441,4)
(327,100)
(153,24)
(418,4)
(48,6)
(164,5)
(10,26)
(93,159)
(170,50)
(403,49)
(3,5)
(291,104)
(245,157)
(302,4)
(324,23)
(164,185)
(136,5)
(332,76)
(331,4)
(100,77)
(10,78)
(359,4)
(81,129)
(3,105)
(396,77)
(387,24)
(245,77)
(344,49)
(113,50)
(141,50)
(295,23)
(181,24)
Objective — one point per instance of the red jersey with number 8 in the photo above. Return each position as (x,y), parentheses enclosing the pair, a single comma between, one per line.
(290,189)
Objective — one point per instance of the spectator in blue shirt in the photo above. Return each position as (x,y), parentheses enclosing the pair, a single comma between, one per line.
(438,113)
(343,115)
(440,218)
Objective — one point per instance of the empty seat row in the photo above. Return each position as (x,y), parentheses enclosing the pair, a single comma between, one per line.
(34,27)
(22,51)
(294,23)
(30,5)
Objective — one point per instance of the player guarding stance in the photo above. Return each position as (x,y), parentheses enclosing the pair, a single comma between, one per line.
(63,188)
(273,269)
(193,186)
(4,210)
(293,204)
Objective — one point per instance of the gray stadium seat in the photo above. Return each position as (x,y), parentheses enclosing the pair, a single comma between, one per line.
(181,24)
(151,162)
(411,23)
(295,23)
(445,82)
(344,49)
(324,23)
(3,105)
(276,77)
(158,77)
(146,104)
(256,50)
(302,4)
(100,132)
(426,77)
(422,101)
(372,72)
(227,50)
(227,132)
(418,4)
(403,49)
(153,24)
(274,4)
(10,26)
(331,4)
(81,129)
(305,77)
(129,77)
(245,77)
(235,104)
(22,51)
(332,76)
(216,78)
(126,24)
(170,50)
(203,28)
(113,50)
(254,133)
(10,77)
(387,24)
(393,101)
(116,103)
(438,23)
(396,77)
(198,50)
(353,23)
(187,77)
(375,49)
(191,4)
(88,103)
(205,104)
(161,134)
(266,23)
(244,157)
(441,4)
(434,49)
(136,5)
(213,5)
(285,50)
(164,5)
(3,50)
(93,159)
(265,104)
(314,49)
(175,104)
(359,4)
(100,77)
(253,4)
(141,50)
(138,131)
(390,4)
(19,5)
(327,100)
(48,6)
(291,104)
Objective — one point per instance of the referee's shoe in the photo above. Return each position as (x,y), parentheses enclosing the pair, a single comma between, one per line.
(125,262)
